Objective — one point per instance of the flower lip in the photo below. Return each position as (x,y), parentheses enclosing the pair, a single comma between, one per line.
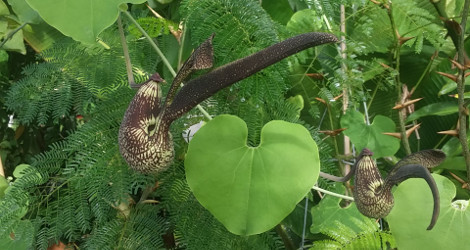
(156,78)
(367,152)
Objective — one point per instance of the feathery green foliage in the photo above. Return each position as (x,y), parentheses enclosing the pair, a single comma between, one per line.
(81,191)
(241,28)
(81,185)
(71,78)
(343,237)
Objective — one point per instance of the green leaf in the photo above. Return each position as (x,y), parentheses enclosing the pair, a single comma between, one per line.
(347,227)
(4,9)
(447,88)
(329,210)
(450,86)
(412,212)
(82,20)
(41,36)
(24,12)
(453,147)
(15,43)
(251,189)
(8,25)
(279,10)
(454,160)
(440,109)
(415,21)
(19,170)
(164,1)
(20,238)
(298,102)
(295,220)
(371,136)
(305,21)
(454,163)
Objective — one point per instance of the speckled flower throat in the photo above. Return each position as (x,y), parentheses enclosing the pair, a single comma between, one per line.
(373,195)
(144,138)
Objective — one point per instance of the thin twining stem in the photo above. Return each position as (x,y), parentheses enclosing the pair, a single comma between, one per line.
(162,56)
(130,75)
(333,194)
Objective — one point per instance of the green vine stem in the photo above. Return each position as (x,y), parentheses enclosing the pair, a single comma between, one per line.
(125,50)
(162,56)
(281,231)
(349,198)
(461,89)
(152,43)
(396,57)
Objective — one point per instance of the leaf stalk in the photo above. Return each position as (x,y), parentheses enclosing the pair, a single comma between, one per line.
(349,198)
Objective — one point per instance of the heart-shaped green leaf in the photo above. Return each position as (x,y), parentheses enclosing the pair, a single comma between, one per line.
(412,212)
(82,20)
(371,136)
(251,189)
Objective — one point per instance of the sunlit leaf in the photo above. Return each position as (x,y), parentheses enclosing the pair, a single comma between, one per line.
(448,88)
(41,36)
(19,170)
(3,9)
(24,12)
(410,217)
(8,30)
(82,20)
(371,136)
(15,43)
(305,21)
(298,102)
(251,189)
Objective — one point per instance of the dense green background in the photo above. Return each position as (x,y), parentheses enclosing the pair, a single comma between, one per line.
(64,90)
